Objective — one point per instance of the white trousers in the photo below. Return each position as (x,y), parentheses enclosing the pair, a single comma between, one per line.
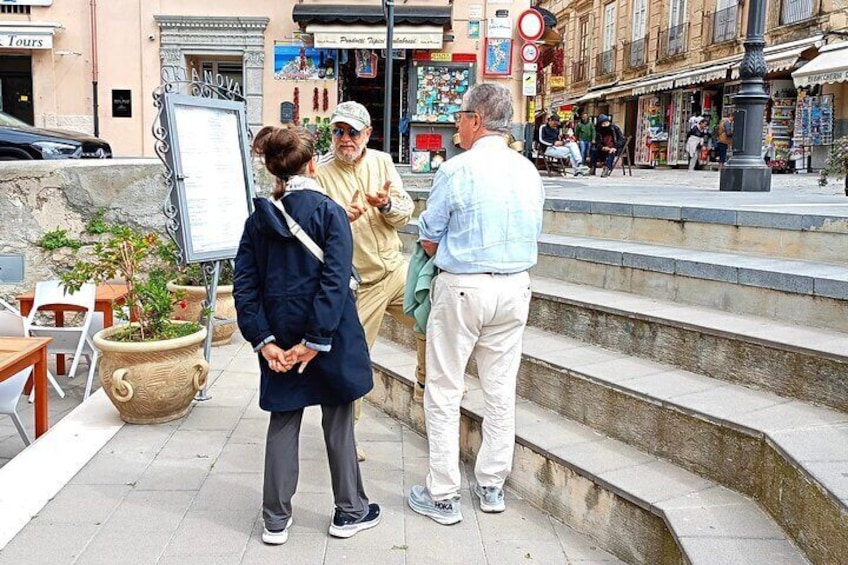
(485,315)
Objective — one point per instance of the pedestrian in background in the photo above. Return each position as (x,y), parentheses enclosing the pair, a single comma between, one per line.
(696,138)
(482,222)
(609,141)
(585,133)
(724,135)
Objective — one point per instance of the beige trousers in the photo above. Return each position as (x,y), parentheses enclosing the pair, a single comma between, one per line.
(373,301)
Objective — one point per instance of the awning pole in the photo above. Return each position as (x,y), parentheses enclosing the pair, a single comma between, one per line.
(389,8)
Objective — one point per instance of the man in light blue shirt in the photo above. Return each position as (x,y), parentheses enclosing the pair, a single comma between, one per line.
(482,223)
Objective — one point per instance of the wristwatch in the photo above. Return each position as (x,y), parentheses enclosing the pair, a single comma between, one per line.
(385,208)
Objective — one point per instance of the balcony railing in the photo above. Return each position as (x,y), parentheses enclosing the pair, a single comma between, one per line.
(605,62)
(673,41)
(636,53)
(578,71)
(794,11)
(722,26)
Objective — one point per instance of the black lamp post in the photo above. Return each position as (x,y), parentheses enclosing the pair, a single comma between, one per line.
(389,10)
(746,171)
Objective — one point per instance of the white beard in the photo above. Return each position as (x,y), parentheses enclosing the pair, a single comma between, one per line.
(350,160)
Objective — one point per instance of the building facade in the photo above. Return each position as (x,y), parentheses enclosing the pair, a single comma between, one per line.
(92,66)
(653,64)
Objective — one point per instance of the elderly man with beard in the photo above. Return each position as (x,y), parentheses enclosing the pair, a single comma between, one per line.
(366,183)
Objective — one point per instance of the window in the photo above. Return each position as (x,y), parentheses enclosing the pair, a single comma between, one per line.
(584,38)
(640,18)
(609,26)
(677,13)
(724,22)
(794,11)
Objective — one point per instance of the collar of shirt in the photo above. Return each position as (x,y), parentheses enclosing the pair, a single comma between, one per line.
(300,182)
(489,141)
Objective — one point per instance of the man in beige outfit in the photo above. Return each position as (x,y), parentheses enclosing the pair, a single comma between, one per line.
(367,184)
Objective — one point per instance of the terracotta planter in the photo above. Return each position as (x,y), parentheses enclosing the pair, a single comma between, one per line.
(225,307)
(155,381)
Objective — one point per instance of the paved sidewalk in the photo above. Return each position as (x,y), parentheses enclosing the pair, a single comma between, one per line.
(189,492)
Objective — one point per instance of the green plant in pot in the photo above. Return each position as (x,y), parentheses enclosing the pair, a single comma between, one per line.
(189,282)
(152,366)
(837,163)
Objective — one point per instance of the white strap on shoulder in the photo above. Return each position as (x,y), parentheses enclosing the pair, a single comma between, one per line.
(298,232)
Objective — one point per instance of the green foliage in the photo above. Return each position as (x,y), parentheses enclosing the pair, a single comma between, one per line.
(138,259)
(58,239)
(96,225)
(837,161)
(323,137)
(192,274)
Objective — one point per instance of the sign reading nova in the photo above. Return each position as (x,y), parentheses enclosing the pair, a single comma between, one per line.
(404,37)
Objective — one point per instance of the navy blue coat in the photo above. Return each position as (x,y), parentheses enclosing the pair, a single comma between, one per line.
(281,289)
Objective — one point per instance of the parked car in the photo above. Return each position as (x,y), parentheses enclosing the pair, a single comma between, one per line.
(21,141)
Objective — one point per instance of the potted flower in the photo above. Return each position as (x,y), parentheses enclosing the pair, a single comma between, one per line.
(837,162)
(152,366)
(188,282)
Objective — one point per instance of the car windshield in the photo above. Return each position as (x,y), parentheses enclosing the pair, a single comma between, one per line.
(11,122)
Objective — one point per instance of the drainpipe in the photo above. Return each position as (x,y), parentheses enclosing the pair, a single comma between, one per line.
(94,99)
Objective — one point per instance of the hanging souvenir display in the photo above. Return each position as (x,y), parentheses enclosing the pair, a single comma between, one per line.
(325,103)
(366,64)
(440,91)
(296,103)
(315,99)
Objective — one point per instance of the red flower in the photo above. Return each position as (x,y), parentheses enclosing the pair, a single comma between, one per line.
(183,304)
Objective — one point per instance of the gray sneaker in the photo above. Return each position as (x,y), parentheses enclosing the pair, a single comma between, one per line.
(445,512)
(491,498)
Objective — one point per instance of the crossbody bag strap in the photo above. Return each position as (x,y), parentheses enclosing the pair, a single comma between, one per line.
(298,232)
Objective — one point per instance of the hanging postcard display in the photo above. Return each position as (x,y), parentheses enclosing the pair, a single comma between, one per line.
(439,93)
(293,62)
(498,61)
(366,64)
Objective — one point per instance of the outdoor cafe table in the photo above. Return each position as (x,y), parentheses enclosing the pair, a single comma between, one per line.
(107,295)
(18,353)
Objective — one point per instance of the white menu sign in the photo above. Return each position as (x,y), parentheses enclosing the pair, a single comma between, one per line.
(213,174)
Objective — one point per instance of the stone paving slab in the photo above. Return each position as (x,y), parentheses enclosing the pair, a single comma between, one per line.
(190,492)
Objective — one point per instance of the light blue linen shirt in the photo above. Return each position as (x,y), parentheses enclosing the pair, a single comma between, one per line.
(485,210)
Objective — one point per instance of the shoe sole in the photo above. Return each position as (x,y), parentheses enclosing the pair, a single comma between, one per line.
(271,538)
(353,529)
(438,518)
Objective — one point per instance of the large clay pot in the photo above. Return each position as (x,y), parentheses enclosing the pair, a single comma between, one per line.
(153,381)
(225,307)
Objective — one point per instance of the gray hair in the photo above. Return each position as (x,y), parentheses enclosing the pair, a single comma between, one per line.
(493,103)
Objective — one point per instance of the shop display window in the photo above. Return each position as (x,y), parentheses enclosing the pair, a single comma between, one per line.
(439,91)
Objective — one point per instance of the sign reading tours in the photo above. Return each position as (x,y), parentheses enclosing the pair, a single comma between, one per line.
(25,40)
(213,177)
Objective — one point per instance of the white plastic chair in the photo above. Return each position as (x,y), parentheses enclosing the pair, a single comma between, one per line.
(73,340)
(12,331)
(12,325)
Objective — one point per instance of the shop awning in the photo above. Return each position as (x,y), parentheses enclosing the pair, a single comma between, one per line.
(697,76)
(314,13)
(27,35)
(830,66)
(374,37)
(665,82)
(777,61)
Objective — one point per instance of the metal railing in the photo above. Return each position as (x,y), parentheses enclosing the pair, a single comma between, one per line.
(636,53)
(794,11)
(672,41)
(722,25)
(578,71)
(605,62)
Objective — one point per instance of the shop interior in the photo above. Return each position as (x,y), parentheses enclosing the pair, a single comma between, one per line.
(16,87)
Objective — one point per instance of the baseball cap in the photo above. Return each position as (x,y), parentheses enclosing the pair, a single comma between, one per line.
(353,114)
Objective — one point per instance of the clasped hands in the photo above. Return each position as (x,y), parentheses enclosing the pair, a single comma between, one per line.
(282,360)
(357,207)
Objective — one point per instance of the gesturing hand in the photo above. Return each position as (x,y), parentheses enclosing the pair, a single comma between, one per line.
(278,360)
(301,354)
(381,198)
(355,209)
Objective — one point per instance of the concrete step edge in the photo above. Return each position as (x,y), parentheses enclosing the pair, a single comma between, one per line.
(399,362)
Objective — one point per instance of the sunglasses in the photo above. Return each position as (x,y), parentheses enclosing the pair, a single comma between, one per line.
(458,114)
(352,132)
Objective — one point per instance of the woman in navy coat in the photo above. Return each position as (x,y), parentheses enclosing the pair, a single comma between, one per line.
(299,315)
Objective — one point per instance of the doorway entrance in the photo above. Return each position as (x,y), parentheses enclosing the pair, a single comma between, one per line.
(370,93)
(16,87)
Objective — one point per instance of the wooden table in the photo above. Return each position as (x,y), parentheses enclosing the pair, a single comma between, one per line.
(18,353)
(107,295)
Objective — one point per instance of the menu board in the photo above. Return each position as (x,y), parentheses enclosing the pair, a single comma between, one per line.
(214,181)
(439,91)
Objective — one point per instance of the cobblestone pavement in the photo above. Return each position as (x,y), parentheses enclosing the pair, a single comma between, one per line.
(188,492)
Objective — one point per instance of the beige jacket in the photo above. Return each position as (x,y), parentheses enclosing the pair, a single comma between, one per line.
(377,249)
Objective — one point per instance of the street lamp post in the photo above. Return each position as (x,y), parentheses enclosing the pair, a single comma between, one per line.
(389,9)
(746,171)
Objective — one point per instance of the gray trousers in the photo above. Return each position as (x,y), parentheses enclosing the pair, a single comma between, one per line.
(282,464)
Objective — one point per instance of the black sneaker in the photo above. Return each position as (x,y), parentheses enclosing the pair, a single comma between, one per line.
(345,526)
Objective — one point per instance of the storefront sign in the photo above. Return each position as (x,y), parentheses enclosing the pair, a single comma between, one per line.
(26,2)
(529,84)
(26,41)
(375,38)
(121,103)
(499,28)
(442,57)
(557,81)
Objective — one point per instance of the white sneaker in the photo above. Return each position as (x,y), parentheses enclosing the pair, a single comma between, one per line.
(276,538)
(491,498)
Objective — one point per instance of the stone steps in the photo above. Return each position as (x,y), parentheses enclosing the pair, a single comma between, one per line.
(639,507)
